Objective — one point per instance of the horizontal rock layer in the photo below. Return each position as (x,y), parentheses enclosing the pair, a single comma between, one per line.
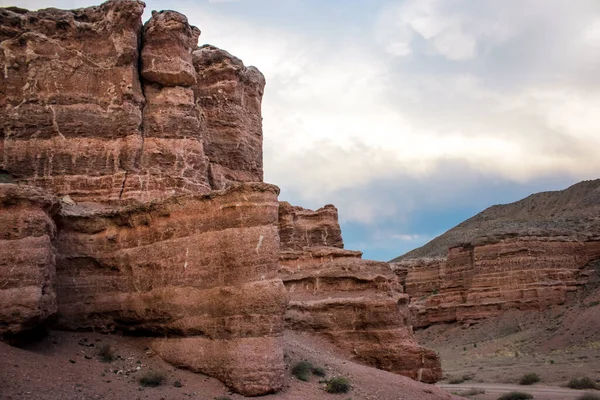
(78,119)
(485,279)
(356,304)
(202,267)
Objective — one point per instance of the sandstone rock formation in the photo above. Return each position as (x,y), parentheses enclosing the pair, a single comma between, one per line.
(155,145)
(356,304)
(164,227)
(77,118)
(524,255)
(27,261)
(198,270)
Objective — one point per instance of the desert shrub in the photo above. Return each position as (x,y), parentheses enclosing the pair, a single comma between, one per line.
(469,392)
(456,381)
(153,379)
(302,370)
(589,396)
(106,353)
(339,384)
(582,383)
(515,396)
(529,379)
(319,371)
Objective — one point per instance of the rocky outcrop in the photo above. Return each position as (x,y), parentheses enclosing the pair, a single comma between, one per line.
(525,255)
(300,228)
(199,271)
(70,98)
(356,304)
(78,119)
(229,95)
(27,261)
(156,146)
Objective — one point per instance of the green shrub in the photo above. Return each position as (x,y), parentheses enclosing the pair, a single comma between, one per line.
(302,370)
(153,379)
(339,384)
(319,371)
(106,353)
(515,396)
(582,383)
(589,396)
(469,392)
(529,379)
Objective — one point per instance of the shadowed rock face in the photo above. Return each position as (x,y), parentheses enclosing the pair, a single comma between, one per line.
(525,255)
(356,304)
(155,146)
(27,261)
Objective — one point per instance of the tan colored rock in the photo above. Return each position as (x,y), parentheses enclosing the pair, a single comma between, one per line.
(229,95)
(356,304)
(27,260)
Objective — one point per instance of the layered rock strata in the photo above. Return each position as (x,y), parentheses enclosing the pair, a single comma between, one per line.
(77,118)
(526,255)
(356,304)
(200,271)
(27,261)
(156,146)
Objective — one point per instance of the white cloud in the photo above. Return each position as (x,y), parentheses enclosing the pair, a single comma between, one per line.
(341,113)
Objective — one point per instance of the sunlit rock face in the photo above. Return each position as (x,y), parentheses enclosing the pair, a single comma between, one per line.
(356,304)
(229,95)
(27,259)
(525,255)
(70,98)
(199,271)
(155,146)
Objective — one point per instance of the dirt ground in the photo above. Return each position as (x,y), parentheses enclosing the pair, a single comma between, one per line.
(558,343)
(65,365)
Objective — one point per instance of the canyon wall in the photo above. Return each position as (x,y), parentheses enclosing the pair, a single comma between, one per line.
(78,119)
(356,304)
(525,255)
(154,147)
(132,201)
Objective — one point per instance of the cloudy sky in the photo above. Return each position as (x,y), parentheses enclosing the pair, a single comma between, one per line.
(411,116)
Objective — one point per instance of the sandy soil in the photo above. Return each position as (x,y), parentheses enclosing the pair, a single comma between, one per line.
(491,391)
(65,365)
(558,343)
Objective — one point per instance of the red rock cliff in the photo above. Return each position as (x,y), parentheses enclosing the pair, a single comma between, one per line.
(155,147)
(526,255)
(357,304)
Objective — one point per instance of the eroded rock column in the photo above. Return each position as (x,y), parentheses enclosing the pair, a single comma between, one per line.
(173,159)
(27,260)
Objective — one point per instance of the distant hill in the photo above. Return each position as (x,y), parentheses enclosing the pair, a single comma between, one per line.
(574,211)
